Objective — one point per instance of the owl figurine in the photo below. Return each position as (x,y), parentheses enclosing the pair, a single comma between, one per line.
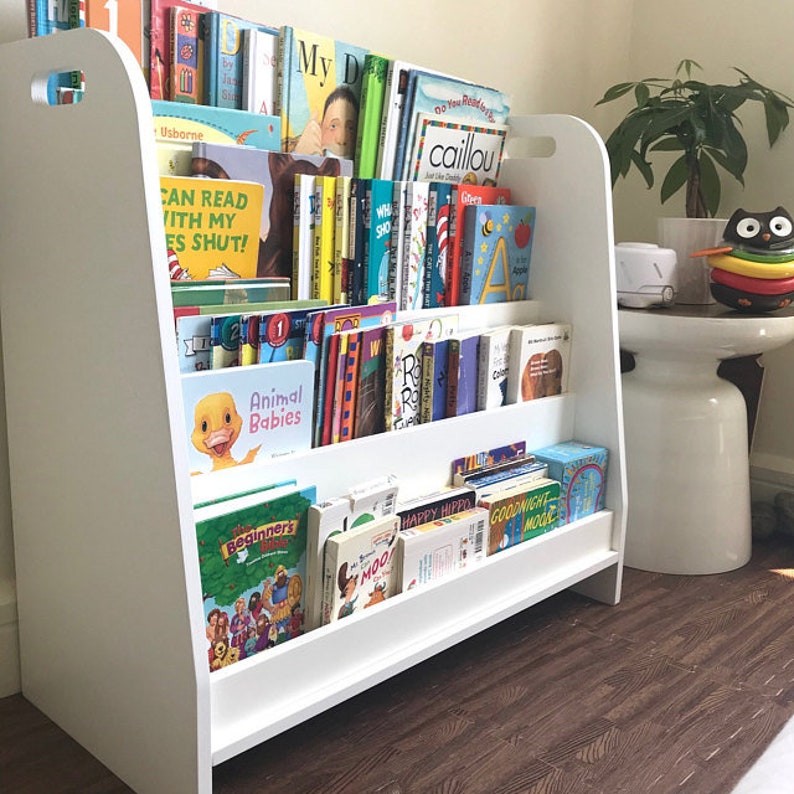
(753,269)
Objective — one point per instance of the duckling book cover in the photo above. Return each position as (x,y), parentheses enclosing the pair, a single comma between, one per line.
(238,415)
(252,561)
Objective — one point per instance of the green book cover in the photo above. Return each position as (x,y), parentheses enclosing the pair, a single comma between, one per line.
(373,89)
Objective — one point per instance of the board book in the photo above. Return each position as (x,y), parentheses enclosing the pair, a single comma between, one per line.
(477,461)
(252,563)
(493,367)
(435,505)
(539,361)
(187,55)
(260,72)
(238,415)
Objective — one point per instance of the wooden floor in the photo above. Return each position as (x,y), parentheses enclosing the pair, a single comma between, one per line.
(677,689)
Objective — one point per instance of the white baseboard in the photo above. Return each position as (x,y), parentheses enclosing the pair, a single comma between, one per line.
(769,475)
(9,640)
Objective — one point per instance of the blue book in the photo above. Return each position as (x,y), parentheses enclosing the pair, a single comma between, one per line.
(438,207)
(356,274)
(496,254)
(377,238)
(464,351)
(435,371)
(281,335)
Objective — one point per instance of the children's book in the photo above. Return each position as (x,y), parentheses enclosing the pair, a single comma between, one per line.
(458,152)
(319,92)
(187,61)
(350,386)
(435,373)
(224,341)
(371,383)
(212,228)
(414,245)
(400,219)
(373,88)
(252,562)
(359,568)
(436,247)
(488,457)
(356,273)
(282,334)
(464,351)
(539,359)
(431,551)
(492,368)
(323,243)
(366,502)
(303,235)
(193,343)
(404,366)
(223,58)
(125,20)
(377,238)
(497,250)
(219,292)
(434,505)
(249,339)
(526,474)
(507,463)
(237,415)
(185,123)
(260,54)
(276,172)
(341,237)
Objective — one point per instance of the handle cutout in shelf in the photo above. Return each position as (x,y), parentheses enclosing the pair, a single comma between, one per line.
(539,146)
(58,88)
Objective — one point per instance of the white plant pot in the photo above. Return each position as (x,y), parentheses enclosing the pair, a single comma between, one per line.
(685,235)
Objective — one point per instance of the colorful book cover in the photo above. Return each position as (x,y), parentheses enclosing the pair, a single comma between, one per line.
(223,292)
(437,242)
(462,102)
(223,58)
(462,195)
(488,457)
(435,505)
(404,366)
(497,251)
(377,238)
(260,54)
(369,501)
(464,352)
(252,562)
(483,473)
(249,339)
(539,359)
(125,20)
(224,341)
(337,395)
(486,485)
(174,158)
(319,92)
(330,382)
(276,172)
(237,415)
(457,152)
(341,237)
(212,228)
(414,245)
(400,219)
(185,78)
(193,343)
(160,44)
(359,568)
(435,372)
(371,383)
(373,88)
(303,235)
(493,367)
(350,385)
(50,16)
(182,122)
(323,252)
(282,334)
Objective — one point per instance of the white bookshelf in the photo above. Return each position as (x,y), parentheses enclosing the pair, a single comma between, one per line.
(110,613)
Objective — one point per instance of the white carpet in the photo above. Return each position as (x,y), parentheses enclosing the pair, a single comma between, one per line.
(773,772)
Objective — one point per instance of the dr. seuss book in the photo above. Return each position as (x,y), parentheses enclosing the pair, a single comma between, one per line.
(417,195)
(212,227)
(303,234)
(464,351)
(371,383)
(319,92)
(238,415)
(252,562)
(404,366)
(276,172)
(341,237)
(437,248)
(518,514)
(260,72)
(373,88)
(497,249)
(377,238)
(187,61)
(366,502)
(539,358)
(494,364)
(581,470)
(431,551)
(181,122)
(435,505)
(447,151)
(359,568)
(323,242)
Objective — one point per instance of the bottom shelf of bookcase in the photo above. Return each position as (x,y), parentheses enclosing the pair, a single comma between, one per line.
(270,693)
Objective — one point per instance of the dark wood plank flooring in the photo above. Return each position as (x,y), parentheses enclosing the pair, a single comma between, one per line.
(679,688)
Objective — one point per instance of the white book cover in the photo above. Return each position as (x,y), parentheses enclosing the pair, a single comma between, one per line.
(414,245)
(260,59)
(303,255)
(539,361)
(397,242)
(493,367)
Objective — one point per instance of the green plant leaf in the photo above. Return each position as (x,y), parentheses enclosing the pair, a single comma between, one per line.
(615,92)
(667,145)
(729,165)
(644,167)
(709,184)
(641,94)
(776,114)
(675,179)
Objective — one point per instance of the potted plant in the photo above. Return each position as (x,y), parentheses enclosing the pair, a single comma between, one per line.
(699,121)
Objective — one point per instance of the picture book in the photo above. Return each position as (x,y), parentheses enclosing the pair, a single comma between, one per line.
(449,151)
(462,195)
(260,54)
(368,418)
(282,334)
(399,222)
(241,308)
(373,88)
(224,341)
(496,255)
(404,366)
(187,61)
(193,343)
(359,568)
(125,20)
(370,500)
(518,514)
(356,274)
(439,548)
(226,291)
(174,158)
(581,470)
(185,123)
(377,238)
(464,351)
(249,339)
(492,369)
(323,250)
(341,237)
(350,386)
(435,371)
(522,475)
(335,387)
(488,457)
(318,92)
(415,240)
(237,415)
(303,235)
(50,16)
(276,172)
(212,228)
(223,58)
(252,563)
(437,244)
(539,358)
(434,505)
(451,100)
(506,463)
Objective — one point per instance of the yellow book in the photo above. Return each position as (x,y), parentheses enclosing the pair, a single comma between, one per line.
(324,225)
(341,238)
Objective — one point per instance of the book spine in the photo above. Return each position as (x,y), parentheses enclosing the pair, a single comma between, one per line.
(400,167)
(317,240)
(467,255)
(388,397)
(341,238)
(327,229)
(184,56)
(451,280)
(283,68)
(397,242)
(426,392)
(296,236)
(350,387)
(453,377)
(368,132)
(430,245)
